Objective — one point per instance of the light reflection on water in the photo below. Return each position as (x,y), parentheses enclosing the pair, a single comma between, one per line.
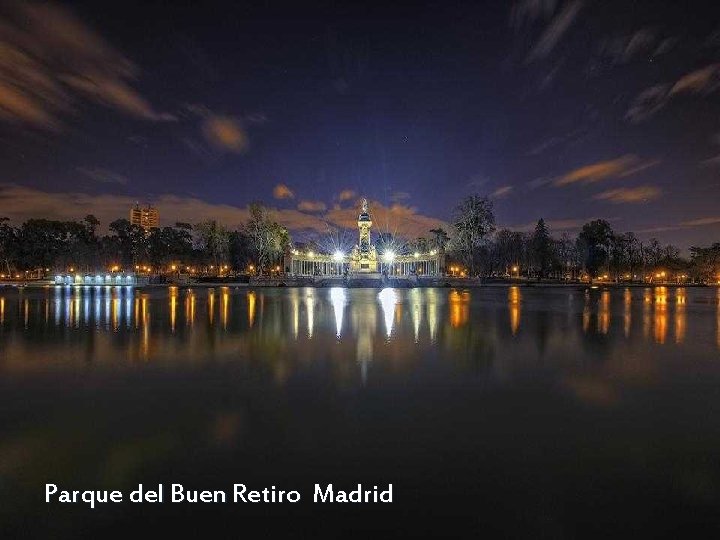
(293,326)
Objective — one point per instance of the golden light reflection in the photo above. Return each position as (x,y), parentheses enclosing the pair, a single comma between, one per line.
(459,308)
(211,305)
(173,310)
(388,299)
(225,306)
(660,300)
(137,312)
(514,299)
(627,313)
(647,308)
(2,310)
(251,298)
(190,308)
(115,313)
(680,316)
(145,341)
(603,323)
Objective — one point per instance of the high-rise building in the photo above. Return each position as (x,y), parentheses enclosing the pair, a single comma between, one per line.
(147,217)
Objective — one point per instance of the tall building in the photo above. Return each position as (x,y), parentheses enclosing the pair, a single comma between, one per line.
(147,217)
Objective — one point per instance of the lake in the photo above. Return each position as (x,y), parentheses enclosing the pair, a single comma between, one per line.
(514,411)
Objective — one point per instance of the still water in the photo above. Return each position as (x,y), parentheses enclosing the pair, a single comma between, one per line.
(509,410)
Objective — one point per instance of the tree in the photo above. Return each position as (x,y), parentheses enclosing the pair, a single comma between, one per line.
(8,245)
(213,241)
(705,262)
(474,221)
(594,245)
(542,248)
(440,238)
(268,240)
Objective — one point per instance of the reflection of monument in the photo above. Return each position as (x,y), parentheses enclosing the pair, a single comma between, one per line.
(364,256)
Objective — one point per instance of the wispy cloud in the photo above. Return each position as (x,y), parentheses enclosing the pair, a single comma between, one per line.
(648,102)
(501,192)
(103,176)
(19,203)
(398,196)
(346,195)
(612,168)
(555,30)
(623,49)
(281,191)
(312,206)
(713,220)
(51,62)
(703,81)
(630,195)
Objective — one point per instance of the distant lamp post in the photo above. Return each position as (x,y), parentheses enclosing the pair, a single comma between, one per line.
(516,271)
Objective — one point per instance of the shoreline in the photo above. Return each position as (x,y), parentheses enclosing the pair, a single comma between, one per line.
(430,283)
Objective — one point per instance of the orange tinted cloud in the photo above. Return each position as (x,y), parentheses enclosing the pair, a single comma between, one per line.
(630,195)
(312,206)
(398,219)
(20,203)
(51,62)
(281,191)
(617,168)
(703,80)
(346,195)
(225,133)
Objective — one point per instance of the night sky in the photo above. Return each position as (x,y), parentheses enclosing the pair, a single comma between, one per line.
(567,110)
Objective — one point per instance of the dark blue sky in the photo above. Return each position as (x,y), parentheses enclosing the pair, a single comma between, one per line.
(567,110)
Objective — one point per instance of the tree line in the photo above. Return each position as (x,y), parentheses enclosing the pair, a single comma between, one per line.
(473,241)
(49,245)
(596,251)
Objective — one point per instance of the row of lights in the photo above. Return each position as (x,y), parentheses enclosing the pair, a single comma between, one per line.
(338,256)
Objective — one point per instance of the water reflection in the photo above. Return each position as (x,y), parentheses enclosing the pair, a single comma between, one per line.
(514,298)
(395,327)
(337,297)
(388,301)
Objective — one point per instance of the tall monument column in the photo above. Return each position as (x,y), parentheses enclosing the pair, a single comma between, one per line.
(364,255)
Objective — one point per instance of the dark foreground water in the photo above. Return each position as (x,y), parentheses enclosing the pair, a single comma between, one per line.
(515,412)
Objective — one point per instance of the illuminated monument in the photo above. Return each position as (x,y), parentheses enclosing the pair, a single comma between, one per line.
(364,263)
(363,259)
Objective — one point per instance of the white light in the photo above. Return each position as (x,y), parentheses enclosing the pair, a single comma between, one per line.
(417,254)
(338,255)
(337,297)
(388,299)
(389,255)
